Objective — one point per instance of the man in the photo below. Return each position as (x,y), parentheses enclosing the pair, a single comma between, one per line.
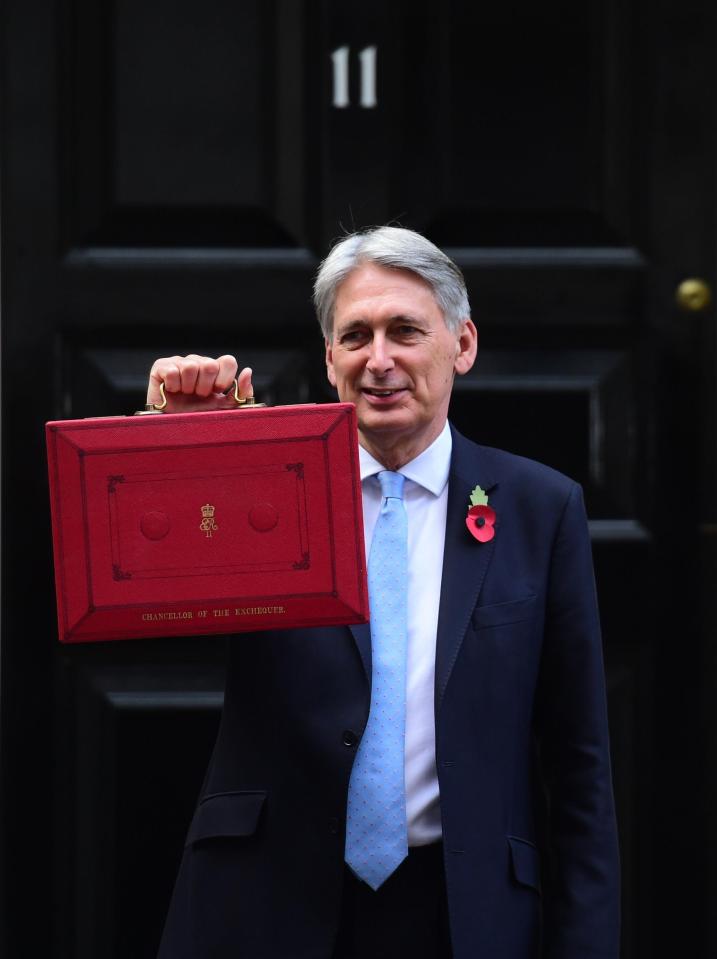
(506,803)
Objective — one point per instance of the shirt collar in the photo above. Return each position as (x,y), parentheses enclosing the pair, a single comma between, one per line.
(429,469)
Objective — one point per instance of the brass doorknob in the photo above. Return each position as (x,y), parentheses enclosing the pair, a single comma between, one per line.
(693,295)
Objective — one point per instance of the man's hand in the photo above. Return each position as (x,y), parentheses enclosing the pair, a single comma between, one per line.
(193,383)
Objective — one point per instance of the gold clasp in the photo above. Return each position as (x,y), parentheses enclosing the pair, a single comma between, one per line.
(242,402)
(245,400)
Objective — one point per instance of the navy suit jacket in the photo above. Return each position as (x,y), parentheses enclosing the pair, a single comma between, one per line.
(521,746)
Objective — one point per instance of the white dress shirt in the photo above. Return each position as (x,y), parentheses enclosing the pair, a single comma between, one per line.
(426,499)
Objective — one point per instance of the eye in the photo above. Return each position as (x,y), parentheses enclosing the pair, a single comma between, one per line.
(352,338)
(405,330)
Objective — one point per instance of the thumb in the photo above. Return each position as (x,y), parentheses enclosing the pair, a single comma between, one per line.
(245,385)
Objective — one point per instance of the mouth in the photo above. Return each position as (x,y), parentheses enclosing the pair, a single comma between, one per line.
(383,397)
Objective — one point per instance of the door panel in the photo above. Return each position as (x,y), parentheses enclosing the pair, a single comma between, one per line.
(187,125)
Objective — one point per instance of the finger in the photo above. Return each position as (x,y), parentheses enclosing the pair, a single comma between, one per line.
(165,370)
(246,387)
(208,369)
(227,373)
(189,369)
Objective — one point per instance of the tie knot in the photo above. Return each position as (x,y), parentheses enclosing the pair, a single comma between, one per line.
(391,484)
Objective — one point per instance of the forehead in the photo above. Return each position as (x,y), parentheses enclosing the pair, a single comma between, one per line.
(373,290)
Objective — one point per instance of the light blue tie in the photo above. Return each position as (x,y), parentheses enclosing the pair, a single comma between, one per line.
(376,834)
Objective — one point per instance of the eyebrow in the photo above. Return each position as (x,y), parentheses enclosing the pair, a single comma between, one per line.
(352,325)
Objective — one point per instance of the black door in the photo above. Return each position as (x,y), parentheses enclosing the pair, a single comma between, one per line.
(172,173)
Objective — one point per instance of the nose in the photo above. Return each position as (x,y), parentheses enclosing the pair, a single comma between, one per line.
(380,360)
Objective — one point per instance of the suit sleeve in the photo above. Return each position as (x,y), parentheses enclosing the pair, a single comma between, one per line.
(581,907)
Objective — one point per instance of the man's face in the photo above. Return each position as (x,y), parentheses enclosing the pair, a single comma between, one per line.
(393,356)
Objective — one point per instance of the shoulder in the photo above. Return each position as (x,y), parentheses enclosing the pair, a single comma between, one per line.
(518,475)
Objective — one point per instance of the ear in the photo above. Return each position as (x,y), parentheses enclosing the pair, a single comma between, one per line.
(330,364)
(466,347)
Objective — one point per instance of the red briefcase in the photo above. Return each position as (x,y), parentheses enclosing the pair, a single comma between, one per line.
(215,522)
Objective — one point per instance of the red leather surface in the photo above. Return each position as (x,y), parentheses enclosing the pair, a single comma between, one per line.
(197,523)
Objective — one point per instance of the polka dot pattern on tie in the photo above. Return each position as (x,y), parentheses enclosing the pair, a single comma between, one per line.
(376,831)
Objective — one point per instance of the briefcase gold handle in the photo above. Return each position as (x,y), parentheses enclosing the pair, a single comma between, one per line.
(242,402)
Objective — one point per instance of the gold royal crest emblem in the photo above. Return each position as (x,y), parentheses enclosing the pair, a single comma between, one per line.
(208,525)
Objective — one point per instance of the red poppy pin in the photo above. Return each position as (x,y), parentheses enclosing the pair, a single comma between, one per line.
(481,517)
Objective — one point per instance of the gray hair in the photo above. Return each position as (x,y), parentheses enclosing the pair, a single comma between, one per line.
(399,249)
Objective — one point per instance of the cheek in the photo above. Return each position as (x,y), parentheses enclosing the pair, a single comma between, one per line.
(440,375)
(343,375)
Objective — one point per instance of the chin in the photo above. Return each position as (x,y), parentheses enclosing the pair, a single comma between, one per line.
(386,423)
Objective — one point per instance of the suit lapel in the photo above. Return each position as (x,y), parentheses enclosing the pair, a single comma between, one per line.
(465,563)
(362,636)
(465,560)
